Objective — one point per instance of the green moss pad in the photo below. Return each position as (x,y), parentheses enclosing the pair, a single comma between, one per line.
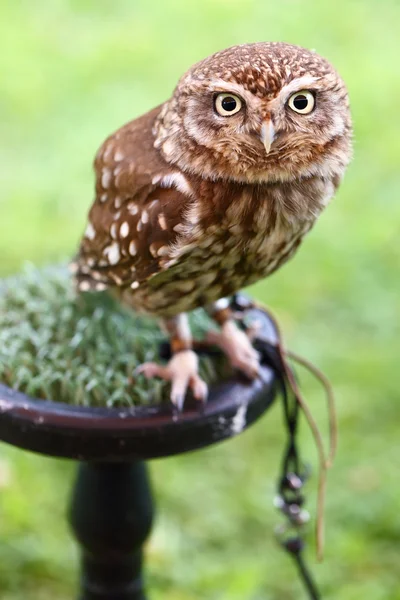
(82,349)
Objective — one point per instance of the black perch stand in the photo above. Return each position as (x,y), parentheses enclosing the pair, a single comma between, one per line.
(111,511)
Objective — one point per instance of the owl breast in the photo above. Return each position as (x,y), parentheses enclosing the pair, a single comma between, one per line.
(225,248)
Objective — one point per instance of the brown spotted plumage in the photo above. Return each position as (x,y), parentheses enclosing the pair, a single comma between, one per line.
(215,189)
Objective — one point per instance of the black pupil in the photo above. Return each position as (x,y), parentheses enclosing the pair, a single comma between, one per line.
(300,102)
(228,103)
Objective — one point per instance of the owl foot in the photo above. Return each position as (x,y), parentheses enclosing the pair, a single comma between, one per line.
(182,372)
(236,344)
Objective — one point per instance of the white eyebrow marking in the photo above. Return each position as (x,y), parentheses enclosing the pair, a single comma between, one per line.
(220,85)
(296,85)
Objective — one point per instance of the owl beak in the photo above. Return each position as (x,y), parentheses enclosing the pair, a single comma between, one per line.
(267,134)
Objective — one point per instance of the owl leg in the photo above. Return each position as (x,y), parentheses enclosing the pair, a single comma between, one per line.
(182,369)
(234,342)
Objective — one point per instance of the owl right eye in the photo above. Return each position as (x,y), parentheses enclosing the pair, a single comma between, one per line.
(227,105)
(302,102)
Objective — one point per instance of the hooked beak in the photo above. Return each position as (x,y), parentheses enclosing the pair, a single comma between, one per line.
(267,134)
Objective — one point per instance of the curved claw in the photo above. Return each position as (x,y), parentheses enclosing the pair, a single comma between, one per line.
(182,372)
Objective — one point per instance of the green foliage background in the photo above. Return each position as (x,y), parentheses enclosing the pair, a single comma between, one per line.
(70,73)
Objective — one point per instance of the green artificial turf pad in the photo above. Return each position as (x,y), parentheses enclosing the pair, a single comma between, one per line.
(81,349)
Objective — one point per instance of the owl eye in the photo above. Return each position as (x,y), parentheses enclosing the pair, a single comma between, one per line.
(227,104)
(302,102)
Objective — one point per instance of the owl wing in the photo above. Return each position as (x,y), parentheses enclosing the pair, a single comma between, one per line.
(137,214)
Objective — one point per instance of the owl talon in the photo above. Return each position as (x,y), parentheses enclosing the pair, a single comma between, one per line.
(199,388)
(182,372)
(237,346)
(178,401)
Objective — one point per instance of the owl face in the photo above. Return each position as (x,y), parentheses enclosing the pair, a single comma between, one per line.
(258,112)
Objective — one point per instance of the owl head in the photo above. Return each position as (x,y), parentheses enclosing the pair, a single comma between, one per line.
(257,113)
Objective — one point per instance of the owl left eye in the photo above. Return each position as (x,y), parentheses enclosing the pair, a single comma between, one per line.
(227,105)
(302,102)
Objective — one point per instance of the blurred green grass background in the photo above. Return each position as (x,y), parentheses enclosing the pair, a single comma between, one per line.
(70,73)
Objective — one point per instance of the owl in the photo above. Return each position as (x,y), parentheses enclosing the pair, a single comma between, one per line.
(213,190)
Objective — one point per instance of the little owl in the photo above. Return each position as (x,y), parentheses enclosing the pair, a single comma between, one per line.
(213,190)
